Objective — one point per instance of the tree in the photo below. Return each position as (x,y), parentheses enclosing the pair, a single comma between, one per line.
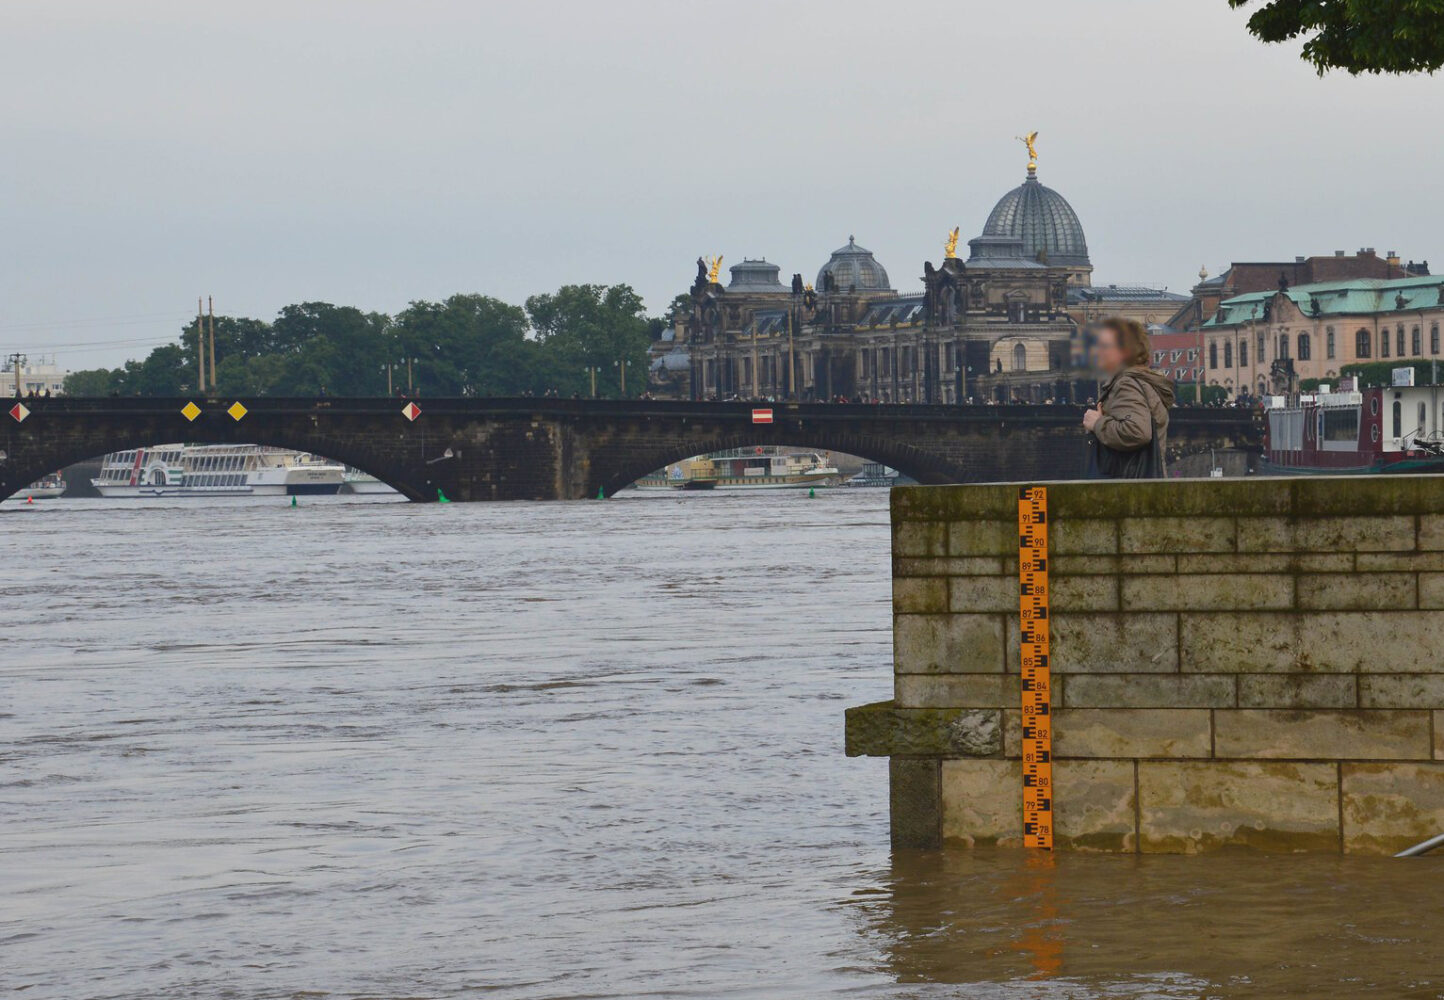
(584,326)
(469,345)
(91,382)
(1360,36)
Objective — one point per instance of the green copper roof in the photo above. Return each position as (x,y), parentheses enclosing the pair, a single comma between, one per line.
(1353,297)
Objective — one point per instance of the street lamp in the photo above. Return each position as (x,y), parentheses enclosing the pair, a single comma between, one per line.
(593,371)
(410,364)
(387,368)
(622,366)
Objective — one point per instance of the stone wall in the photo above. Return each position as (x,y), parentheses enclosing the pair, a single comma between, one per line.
(1249,663)
(569,449)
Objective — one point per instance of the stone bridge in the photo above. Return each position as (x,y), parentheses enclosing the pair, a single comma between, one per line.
(568,449)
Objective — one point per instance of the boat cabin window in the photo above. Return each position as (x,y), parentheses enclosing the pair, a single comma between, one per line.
(1341,424)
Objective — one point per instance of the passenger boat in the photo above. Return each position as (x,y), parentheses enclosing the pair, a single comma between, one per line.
(1398,429)
(46,488)
(758,468)
(874,474)
(181,470)
(363,482)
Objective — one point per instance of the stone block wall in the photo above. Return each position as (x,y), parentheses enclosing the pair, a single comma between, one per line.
(1235,663)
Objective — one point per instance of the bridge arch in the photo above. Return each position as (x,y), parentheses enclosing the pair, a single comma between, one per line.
(155,424)
(903,456)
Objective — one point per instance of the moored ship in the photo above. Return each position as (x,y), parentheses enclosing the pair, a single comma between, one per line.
(181,470)
(1392,430)
(46,488)
(746,469)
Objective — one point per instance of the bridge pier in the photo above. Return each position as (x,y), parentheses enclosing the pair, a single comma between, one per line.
(1234,664)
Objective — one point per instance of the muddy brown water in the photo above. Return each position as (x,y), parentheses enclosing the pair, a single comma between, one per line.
(361,749)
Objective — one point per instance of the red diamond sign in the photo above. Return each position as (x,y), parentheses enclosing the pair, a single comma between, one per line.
(19,411)
(762,416)
(411,411)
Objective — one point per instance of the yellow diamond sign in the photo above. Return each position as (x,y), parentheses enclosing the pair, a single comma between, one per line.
(237,411)
(190,411)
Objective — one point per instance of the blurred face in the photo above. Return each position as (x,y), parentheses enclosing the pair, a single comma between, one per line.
(1107,355)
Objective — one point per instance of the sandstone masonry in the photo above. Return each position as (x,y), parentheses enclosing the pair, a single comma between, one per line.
(1236,663)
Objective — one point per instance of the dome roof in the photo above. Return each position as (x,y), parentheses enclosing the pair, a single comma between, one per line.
(1043,220)
(755,276)
(854,267)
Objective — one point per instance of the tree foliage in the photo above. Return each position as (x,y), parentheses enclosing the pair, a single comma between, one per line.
(468,345)
(1360,36)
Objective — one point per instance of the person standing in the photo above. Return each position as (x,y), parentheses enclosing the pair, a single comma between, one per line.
(1128,429)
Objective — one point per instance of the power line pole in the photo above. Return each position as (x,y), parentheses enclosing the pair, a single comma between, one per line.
(17,360)
(200,350)
(211,302)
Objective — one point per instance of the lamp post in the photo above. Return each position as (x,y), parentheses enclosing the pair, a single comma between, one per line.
(387,368)
(411,364)
(591,371)
(622,367)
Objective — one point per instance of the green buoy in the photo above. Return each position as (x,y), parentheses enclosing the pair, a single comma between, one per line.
(601,493)
(293,502)
(441,497)
(812,493)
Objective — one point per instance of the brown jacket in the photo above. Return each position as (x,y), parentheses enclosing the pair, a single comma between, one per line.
(1132,402)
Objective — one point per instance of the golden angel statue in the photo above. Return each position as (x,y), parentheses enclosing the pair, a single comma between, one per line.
(951,246)
(714,267)
(1030,140)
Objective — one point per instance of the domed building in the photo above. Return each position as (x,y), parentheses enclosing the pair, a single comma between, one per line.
(755,277)
(852,269)
(1037,224)
(994,327)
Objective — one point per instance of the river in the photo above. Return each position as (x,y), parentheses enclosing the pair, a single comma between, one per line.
(367,749)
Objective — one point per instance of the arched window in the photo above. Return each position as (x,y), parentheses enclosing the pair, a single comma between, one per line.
(1213,354)
(1416,342)
(1228,354)
(1399,341)
(1242,353)
(1283,346)
(1398,419)
(1329,343)
(1306,349)
(1261,342)
(1361,345)
(1020,358)
(1383,343)
(1433,338)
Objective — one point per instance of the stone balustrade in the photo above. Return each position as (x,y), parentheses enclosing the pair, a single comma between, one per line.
(1255,663)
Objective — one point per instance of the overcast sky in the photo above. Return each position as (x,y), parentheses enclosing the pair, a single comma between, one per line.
(372,153)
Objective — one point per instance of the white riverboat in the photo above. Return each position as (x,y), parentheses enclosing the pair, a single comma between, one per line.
(365,483)
(182,470)
(48,488)
(761,468)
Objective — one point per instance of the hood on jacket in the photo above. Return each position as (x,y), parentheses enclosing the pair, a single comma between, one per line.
(1162,384)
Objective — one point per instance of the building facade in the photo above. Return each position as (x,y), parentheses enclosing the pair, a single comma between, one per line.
(998,325)
(1266,342)
(42,377)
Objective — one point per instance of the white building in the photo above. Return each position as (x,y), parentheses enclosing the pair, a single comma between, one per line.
(40,376)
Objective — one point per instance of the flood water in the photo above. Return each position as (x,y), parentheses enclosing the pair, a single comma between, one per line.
(368,749)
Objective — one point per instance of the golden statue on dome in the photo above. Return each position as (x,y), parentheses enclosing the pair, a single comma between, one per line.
(950,250)
(714,267)
(1030,140)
